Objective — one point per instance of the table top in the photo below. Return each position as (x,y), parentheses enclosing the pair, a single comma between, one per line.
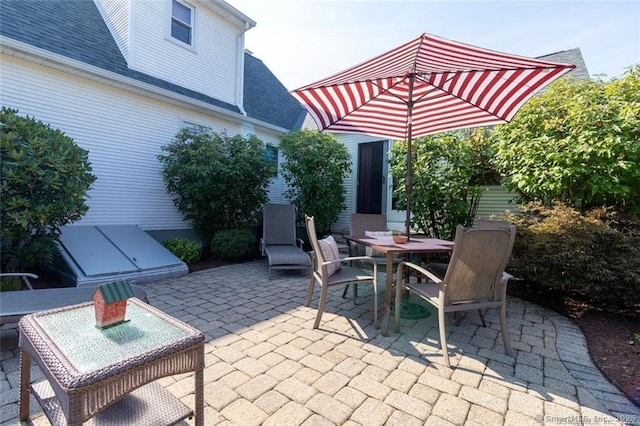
(78,352)
(386,244)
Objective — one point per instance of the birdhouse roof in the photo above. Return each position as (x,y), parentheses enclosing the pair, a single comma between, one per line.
(115,291)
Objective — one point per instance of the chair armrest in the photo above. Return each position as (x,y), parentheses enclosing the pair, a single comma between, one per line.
(349,259)
(501,289)
(419,269)
(24,275)
(300,242)
(352,258)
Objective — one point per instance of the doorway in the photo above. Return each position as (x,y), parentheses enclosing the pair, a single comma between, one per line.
(371,189)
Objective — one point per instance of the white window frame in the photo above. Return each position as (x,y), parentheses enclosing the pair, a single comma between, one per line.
(193,124)
(192,26)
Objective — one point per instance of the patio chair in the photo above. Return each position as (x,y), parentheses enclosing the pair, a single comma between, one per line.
(363,225)
(24,276)
(329,271)
(474,279)
(279,242)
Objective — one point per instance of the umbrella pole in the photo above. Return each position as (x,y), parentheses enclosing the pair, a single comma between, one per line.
(409,182)
(408,186)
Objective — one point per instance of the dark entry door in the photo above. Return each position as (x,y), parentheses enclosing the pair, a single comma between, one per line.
(370,177)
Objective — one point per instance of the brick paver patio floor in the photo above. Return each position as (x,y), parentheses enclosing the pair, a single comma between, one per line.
(265,364)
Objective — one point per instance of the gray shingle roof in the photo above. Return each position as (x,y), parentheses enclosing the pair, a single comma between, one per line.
(75,29)
(572,56)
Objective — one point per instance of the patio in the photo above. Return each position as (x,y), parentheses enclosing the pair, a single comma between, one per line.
(265,364)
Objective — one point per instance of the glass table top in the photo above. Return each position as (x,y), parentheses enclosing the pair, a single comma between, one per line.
(89,348)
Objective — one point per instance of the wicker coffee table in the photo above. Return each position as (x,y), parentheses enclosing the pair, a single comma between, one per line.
(107,376)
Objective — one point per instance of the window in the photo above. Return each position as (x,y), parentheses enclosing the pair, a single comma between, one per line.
(270,154)
(182,22)
(196,128)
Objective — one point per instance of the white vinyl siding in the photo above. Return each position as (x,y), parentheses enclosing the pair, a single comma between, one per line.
(123,133)
(494,201)
(116,15)
(208,68)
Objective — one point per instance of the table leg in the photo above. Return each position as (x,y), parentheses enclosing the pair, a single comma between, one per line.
(25,379)
(387,296)
(199,379)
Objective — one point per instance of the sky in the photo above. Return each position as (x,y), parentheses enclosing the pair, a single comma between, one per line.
(302,41)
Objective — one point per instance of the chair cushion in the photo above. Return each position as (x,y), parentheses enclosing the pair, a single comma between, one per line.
(375,253)
(330,252)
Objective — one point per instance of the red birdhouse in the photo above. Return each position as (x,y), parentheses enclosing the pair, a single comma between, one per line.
(110,302)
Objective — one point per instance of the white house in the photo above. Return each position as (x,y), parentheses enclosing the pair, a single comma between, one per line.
(121,77)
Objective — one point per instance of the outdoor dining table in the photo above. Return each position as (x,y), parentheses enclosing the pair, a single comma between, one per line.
(386,245)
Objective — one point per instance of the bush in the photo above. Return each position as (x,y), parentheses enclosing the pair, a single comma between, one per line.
(44,182)
(447,170)
(219,182)
(188,251)
(317,164)
(578,142)
(10,284)
(233,244)
(588,256)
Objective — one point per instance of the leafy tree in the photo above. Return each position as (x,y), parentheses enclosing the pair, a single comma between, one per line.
(447,170)
(578,142)
(220,182)
(315,168)
(44,183)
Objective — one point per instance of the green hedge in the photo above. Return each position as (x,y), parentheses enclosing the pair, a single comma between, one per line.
(594,256)
(233,244)
(187,250)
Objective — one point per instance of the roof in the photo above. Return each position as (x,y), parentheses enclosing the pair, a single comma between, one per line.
(75,29)
(115,291)
(263,91)
(572,56)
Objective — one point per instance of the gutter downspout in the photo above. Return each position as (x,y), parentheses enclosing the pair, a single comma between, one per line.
(240,68)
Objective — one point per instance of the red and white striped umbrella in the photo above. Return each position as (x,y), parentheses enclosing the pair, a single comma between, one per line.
(426,86)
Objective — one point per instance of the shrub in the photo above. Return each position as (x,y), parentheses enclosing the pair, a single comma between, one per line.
(447,170)
(584,255)
(44,182)
(10,284)
(233,244)
(187,250)
(219,182)
(317,164)
(578,142)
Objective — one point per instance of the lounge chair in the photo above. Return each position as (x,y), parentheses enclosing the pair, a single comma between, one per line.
(279,242)
(473,280)
(15,304)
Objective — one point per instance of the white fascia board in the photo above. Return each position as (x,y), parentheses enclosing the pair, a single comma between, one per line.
(62,63)
(229,12)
